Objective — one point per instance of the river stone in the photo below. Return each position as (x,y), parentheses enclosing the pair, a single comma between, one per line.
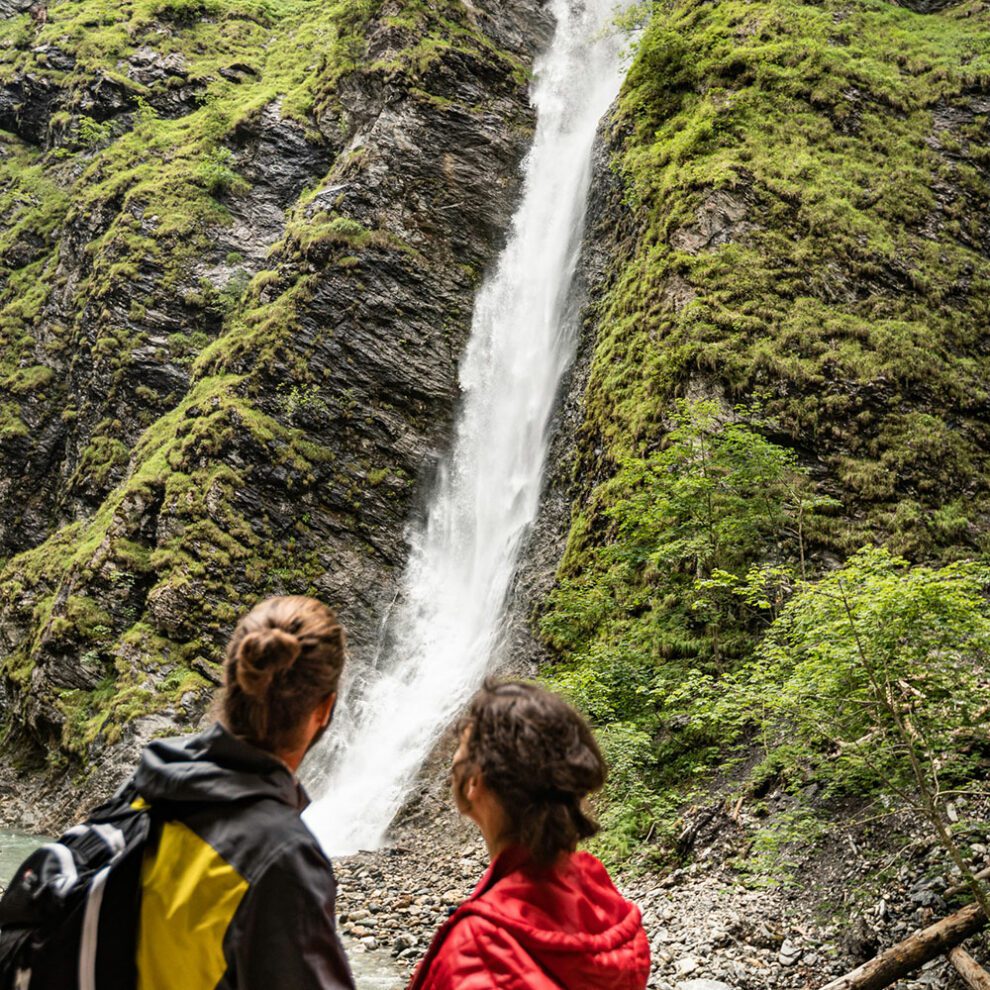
(789,953)
(703,985)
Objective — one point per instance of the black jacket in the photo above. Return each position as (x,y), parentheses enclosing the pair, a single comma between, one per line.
(235,890)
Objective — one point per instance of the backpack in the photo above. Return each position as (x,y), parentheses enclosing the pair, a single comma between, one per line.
(68,920)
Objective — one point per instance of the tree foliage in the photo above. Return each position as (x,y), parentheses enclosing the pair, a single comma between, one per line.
(688,627)
(642,609)
(878,668)
(874,681)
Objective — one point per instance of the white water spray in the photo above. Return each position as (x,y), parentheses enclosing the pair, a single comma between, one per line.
(443,634)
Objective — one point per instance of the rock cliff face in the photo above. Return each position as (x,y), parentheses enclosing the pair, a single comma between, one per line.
(239,241)
(817,239)
(238,248)
(797,235)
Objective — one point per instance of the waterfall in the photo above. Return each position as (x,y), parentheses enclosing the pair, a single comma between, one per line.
(440,639)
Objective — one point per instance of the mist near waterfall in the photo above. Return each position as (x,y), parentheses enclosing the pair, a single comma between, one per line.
(439,640)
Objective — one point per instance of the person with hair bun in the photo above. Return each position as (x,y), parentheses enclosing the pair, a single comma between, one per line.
(236,893)
(544,916)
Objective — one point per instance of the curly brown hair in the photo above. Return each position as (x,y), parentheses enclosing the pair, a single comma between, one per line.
(284,658)
(539,758)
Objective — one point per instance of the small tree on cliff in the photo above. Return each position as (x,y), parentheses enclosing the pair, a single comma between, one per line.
(880,673)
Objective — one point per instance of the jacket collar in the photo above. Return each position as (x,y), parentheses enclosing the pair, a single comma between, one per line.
(214,766)
(506,862)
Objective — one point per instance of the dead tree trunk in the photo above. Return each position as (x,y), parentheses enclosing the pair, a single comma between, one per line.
(907,956)
(973,974)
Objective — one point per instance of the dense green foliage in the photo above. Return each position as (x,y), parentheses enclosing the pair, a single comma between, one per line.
(647,607)
(806,181)
(803,186)
(692,640)
(874,672)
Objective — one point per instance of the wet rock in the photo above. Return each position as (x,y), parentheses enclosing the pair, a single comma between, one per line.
(719,220)
(860,940)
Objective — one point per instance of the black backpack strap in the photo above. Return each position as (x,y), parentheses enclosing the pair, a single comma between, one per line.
(69,918)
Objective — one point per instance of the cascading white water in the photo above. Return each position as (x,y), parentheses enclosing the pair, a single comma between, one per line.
(443,633)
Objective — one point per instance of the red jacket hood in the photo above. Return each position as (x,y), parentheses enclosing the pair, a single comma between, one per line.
(569,919)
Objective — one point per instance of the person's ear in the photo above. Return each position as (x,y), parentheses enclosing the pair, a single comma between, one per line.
(325,711)
(472,787)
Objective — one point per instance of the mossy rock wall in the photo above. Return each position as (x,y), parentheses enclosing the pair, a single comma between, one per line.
(805,186)
(239,241)
(792,207)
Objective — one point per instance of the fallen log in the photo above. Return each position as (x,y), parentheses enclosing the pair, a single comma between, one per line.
(972,973)
(907,956)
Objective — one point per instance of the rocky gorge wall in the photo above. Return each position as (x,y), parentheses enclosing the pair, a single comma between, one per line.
(789,233)
(239,243)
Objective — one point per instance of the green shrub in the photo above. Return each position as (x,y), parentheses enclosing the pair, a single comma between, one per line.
(877,669)
(215,174)
(645,612)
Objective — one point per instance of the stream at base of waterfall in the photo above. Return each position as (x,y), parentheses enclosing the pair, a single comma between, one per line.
(442,635)
(14,849)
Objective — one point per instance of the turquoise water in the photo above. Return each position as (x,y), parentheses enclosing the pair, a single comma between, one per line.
(373,970)
(14,848)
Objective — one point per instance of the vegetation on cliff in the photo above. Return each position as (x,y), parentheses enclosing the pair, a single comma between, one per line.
(788,367)
(230,315)
(195,241)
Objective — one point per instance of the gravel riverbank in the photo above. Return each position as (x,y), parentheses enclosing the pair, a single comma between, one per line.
(707,929)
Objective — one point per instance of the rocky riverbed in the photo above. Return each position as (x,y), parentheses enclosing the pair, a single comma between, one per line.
(709,928)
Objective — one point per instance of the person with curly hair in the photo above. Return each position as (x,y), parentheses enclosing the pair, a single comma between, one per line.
(544,916)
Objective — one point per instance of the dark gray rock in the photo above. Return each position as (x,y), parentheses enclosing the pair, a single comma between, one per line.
(292,457)
(12,8)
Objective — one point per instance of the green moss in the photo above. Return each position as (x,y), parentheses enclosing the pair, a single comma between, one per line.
(99,716)
(813,126)
(11,424)
(802,225)
(215,174)
(82,618)
(436,28)
(102,460)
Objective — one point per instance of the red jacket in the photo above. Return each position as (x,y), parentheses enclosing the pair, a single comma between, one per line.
(529,929)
